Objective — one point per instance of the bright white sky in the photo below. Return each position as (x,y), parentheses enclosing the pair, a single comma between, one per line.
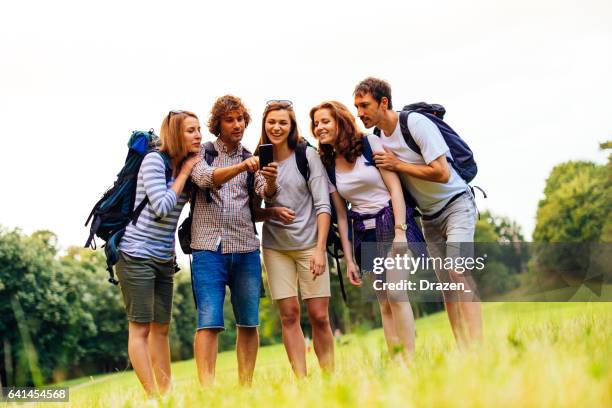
(526,83)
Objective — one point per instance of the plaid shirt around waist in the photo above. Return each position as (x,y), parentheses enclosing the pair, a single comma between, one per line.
(226,220)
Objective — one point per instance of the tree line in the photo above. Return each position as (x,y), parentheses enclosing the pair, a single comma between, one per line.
(60,318)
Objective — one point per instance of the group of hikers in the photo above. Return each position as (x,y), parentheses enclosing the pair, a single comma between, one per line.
(358,177)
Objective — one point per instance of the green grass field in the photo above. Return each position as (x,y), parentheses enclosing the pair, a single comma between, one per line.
(534,355)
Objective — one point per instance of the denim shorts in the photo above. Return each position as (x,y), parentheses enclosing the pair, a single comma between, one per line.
(212,272)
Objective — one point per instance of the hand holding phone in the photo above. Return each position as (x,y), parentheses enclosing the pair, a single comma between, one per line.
(266,155)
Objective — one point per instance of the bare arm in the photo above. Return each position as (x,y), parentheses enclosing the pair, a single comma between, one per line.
(323,222)
(269,173)
(436,171)
(351,267)
(318,260)
(340,206)
(206,176)
(394,186)
(223,174)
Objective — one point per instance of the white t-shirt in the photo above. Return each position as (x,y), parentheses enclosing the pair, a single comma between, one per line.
(363,186)
(430,196)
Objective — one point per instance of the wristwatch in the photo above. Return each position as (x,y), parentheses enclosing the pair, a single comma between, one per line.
(402,227)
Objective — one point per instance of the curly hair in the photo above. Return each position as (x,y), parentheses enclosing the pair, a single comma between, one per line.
(349,142)
(221,107)
(376,87)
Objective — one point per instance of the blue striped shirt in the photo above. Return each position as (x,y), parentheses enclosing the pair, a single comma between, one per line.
(153,234)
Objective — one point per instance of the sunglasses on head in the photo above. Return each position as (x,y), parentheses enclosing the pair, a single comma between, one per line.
(285,102)
(173,112)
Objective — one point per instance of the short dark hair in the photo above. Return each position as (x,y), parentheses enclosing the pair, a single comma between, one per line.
(222,106)
(376,87)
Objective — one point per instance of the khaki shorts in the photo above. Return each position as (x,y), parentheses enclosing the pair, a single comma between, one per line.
(146,285)
(451,235)
(285,269)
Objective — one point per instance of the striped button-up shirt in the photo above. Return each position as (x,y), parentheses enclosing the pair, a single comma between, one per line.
(226,220)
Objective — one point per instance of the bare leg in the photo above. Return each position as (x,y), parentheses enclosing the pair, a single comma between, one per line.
(138,351)
(471,313)
(322,336)
(467,312)
(247,344)
(205,348)
(159,348)
(293,337)
(453,310)
(403,321)
(393,341)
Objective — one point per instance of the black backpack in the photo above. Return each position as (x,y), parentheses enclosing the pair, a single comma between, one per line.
(112,213)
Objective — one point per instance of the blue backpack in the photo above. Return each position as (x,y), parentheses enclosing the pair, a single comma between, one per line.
(115,210)
(462,157)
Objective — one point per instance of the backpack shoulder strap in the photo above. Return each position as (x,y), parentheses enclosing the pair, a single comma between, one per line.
(301,159)
(403,119)
(168,172)
(167,162)
(252,198)
(210,152)
(209,156)
(167,165)
(246,153)
(250,187)
(331,172)
(368,154)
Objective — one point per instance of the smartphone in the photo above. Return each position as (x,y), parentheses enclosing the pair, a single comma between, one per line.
(266,154)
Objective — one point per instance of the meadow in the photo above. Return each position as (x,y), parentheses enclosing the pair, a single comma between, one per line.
(534,355)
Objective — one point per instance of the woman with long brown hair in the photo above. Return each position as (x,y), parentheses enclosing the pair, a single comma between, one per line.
(378,211)
(146,258)
(294,238)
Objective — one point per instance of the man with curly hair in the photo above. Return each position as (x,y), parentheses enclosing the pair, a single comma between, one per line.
(224,241)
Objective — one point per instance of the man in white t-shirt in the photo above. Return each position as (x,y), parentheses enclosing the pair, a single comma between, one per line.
(440,194)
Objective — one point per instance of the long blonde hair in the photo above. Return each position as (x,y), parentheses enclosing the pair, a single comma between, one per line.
(171,134)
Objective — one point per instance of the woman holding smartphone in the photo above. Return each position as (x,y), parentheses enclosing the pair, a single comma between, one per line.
(146,258)
(294,238)
(378,211)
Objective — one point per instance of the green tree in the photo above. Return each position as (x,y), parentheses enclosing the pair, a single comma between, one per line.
(42,313)
(576,204)
(575,211)
(106,348)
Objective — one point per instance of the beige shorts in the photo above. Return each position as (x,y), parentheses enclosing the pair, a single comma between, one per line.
(285,269)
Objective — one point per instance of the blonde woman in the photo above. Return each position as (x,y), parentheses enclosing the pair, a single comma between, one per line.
(146,262)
